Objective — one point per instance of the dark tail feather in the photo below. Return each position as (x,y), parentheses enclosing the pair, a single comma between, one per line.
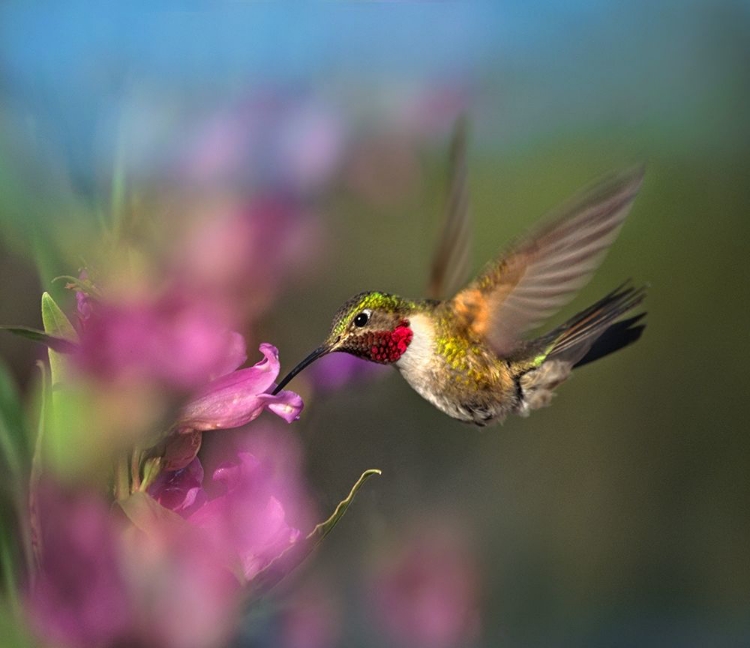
(594,332)
(616,337)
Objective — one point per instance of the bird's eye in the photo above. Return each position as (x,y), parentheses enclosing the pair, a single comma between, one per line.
(362,318)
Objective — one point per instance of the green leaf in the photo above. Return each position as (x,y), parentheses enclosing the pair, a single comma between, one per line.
(55,321)
(33,532)
(8,569)
(54,343)
(14,466)
(57,325)
(294,555)
(12,629)
(13,439)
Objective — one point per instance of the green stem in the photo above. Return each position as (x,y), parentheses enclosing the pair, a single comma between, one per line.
(151,470)
(10,453)
(135,470)
(31,525)
(9,576)
(122,477)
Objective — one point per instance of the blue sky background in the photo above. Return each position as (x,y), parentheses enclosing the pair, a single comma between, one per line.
(532,68)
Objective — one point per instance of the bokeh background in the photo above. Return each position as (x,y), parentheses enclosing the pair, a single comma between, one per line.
(621,515)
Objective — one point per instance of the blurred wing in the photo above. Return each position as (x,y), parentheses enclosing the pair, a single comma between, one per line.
(451,260)
(544,270)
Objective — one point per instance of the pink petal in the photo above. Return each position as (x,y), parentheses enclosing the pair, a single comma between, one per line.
(248,521)
(286,404)
(236,354)
(80,596)
(237,398)
(180,489)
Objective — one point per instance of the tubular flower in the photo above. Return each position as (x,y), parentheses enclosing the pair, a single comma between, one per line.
(79,597)
(247,521)
(175,340)
(180,490)
(239,397)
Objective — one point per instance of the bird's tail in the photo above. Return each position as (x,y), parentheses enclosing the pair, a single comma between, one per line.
(594,332)
(587,336)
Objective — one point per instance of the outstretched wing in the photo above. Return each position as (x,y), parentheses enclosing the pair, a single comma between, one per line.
(451,258)
(543,271)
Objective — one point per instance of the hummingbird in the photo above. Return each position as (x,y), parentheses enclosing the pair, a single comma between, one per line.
(470,354)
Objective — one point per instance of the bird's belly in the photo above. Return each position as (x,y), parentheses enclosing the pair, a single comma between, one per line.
(474,390)
(480,406)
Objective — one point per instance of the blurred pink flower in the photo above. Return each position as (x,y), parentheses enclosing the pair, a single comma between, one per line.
(173,339)
(238,252)
(180,490)
(80,595)
(310,144)
(294,142)
(185,595)
(247,520)
(281,455)
(239,397)
(336,370)
(218,147)
(180,449)
(311,618)
(83,303)
(427,595)
(244,511)
(162,581)
(432,111)
(105,583)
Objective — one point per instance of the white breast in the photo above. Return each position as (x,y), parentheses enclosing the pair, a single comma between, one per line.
(417,361)
(418,366)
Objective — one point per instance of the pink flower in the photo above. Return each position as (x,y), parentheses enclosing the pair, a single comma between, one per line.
(239,397)
(217,149)
(79,597)
(180,490)
(185,595)
(83,303)
(294,143)
(243,512)
(180,449)
(246,520)
(431,112)
(310,144)
(336,370)
(106,583)
(173,339)
(427,595)
(237,251)
(311,618)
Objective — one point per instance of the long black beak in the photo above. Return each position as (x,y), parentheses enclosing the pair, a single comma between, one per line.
(320,351)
